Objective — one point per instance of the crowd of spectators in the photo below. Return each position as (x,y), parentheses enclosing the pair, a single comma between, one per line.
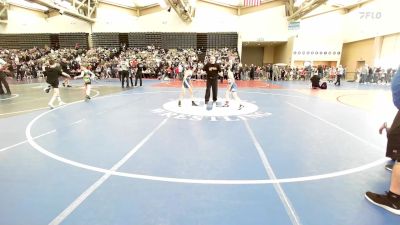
(170,64)
(106,62)
(284,72)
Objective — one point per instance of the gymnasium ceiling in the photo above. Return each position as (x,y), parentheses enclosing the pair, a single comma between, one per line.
(232,3)
(296,9)
(236,3)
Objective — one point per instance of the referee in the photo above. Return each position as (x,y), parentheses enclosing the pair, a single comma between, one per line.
(212,69)
(65,68)
(139,73)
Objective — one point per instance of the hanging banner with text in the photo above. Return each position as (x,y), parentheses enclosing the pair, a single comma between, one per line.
(294,26)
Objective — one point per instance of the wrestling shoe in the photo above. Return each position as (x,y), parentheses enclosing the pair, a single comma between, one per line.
(389,201)
(389,167)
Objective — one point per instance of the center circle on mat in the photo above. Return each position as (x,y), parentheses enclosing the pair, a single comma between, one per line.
(217,108)
(7,97)
(70,162)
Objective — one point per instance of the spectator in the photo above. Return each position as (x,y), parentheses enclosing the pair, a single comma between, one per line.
(3,78)
(391,200)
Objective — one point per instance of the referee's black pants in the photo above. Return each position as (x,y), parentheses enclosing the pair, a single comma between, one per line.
(138,76)
(3,80)
(211,83)
(125,76)
(393,135)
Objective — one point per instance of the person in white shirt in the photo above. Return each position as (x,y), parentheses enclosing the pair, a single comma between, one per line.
(124,65)
(339,74)
(3,78)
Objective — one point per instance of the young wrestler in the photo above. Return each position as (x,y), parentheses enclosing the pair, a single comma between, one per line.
(232,89)
(187,84)
(87,77)
(53,73)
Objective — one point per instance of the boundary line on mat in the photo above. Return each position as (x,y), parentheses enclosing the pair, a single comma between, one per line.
(15,96)
(31,110)
(294,218)
(338,99)
(336,126)
(76,122)
(75,204)
(23,142)
(184,180)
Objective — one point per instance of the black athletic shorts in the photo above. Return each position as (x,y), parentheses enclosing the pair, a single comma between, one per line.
(53,83)
(393,144)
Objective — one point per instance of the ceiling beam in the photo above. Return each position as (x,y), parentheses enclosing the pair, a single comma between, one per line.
(290,7)
(183,9)
(67,11)
(3,12)
(346,8)
(305,8)
(146,10)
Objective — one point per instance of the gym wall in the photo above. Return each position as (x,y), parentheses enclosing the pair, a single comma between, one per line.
(252,55)
(382,19)
(21,20)
(269,52)
(355,52)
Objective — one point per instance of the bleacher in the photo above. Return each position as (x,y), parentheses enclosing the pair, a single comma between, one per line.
(112,40)
(69,40)
(109,40)
(183,40)
(222,40)
(24,41)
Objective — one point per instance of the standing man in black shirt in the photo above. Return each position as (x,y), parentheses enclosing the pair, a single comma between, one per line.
(139,73)
(53,73)
(212,69)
